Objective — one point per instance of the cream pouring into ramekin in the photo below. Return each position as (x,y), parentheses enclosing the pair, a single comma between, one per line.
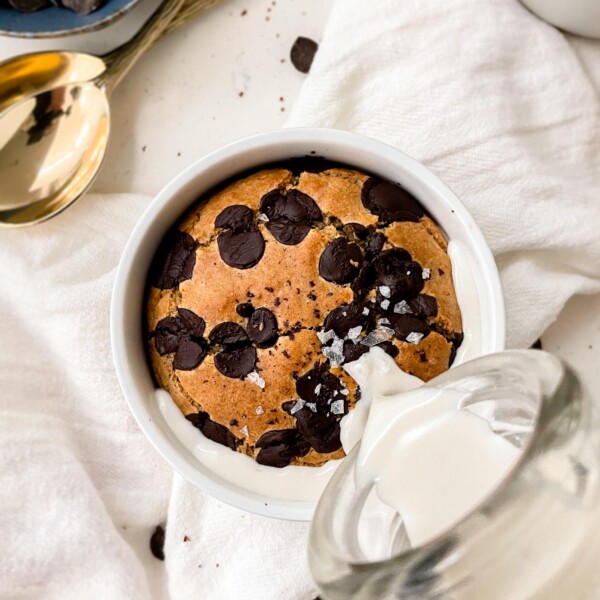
(475,274)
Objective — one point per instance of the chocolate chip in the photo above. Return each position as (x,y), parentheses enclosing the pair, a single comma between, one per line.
(389,348)
(280,446)
(303,53)
(83,7)
(319,378)
(291,216)
(229,334)
(375,242)
(168,335)
(390,202)
(189,355)
(174,261)
(321,432)
(237,218)
(404,325)
(241,250)
(157,543)
(340,261)
(345,317)
(456,342)
(212,430)
(244,310)
(353,351)
(403,276)
(236,363)
(262,328)
(359,231)
(191,322)
(27,6)
(424,306)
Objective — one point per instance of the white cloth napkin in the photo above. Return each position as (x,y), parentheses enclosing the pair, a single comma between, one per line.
(491,99)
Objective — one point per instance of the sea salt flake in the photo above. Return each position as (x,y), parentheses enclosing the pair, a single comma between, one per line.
(337,407)
(381,334)
(326,336)
(345,392)
(414,337)
(385,304)
(384,321)
(256,379)
(260,410)
(317,389)
(335,352)
(385,291)
(354,333)
(312,406)
(426,273)
(263,217)
(299,404)
(402,308)
(244,431)
(365,311)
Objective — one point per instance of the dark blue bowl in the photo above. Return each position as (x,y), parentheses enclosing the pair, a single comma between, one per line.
(58,22)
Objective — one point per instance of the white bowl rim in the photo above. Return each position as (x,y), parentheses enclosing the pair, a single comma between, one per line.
(263,505)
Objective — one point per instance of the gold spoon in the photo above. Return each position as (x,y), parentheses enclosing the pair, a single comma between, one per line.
(55,119)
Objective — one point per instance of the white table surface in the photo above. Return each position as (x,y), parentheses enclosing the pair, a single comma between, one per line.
(243,53)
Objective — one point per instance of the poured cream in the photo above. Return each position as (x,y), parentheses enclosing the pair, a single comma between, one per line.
(429,459)
(307,483)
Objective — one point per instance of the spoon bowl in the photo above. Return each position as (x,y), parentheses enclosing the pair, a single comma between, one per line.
(30,74)
(51,148)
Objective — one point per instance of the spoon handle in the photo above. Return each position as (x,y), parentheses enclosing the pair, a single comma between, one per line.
(131,51)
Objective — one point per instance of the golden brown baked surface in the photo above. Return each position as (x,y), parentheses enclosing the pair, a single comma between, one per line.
(267,287)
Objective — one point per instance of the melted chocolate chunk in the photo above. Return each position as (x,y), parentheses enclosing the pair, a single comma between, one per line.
(191,322)
(229,334)
(303,53)
(241,250)
(375,243)
(262,328)
(280,446)
(389,348)
(345,317)
(357,229)
(390,202)
(319,385)
(244,310)
(212,430)
(424,306)
(353,351)
(236,363)
(157,543)
(403,276)
(238,218)
(168,335)
(189,355)
(340,261)
(290,216)
(404,325)
(321,432)
(175,261)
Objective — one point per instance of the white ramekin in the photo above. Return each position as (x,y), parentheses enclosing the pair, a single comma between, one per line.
(128,295)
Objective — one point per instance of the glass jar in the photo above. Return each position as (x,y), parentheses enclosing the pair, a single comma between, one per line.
(536,536)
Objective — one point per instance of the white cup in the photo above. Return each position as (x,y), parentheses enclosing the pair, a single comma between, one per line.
(127,307)
(577,16)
